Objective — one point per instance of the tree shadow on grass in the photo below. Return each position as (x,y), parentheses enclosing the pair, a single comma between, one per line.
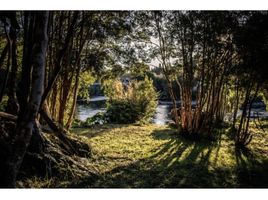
(251,171)
(176,163)
(181,163)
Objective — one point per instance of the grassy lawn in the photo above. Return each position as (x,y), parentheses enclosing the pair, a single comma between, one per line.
(152,156)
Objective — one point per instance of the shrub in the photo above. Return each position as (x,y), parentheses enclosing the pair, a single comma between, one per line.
(133,103)
(98,118)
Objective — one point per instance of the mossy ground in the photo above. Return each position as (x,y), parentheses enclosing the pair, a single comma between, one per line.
(150,156)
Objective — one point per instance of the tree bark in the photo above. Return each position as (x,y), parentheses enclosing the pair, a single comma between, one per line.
(3,55)
(70,119)
(25,124)
(60,56)
(8,64)
(12,104)
(236,106)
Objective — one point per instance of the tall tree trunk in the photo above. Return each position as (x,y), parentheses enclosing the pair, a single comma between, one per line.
(175,110)
(236,106)
(25,124)
(71,116)
(249,111)
(3,55)
(24,84)
(61,53)
(8,64)
(12,104)
(240,130)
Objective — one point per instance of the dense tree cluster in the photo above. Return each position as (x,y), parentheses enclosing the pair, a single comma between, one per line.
(205,54)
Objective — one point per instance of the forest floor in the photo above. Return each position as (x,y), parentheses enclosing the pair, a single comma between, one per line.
(151,156)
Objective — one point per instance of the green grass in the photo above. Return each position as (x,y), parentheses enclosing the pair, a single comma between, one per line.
(149,156)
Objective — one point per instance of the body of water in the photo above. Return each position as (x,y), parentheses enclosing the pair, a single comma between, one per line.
(91,108)
(97,104)
(161,117)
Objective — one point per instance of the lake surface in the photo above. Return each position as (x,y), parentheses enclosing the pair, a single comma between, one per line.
(161,116)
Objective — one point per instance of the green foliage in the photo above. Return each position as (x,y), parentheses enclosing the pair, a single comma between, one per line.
(86,79)
(263,97)
(133,103)
(139,69)
(99,118)
(3,104)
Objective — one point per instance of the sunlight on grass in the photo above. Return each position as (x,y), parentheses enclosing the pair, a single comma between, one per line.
(156,156)
(151,156)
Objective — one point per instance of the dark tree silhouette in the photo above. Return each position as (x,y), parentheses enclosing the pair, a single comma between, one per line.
(33,70)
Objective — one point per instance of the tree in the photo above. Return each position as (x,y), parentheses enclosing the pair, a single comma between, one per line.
(194,50)
(252,43)
(153,32)
(92,46)
(11,27)
(33,70)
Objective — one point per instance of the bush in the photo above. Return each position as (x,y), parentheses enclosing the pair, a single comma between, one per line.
(133,103)
(98,118)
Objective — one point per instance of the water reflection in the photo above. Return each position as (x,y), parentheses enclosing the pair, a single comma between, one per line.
(162,114)
(83,111)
